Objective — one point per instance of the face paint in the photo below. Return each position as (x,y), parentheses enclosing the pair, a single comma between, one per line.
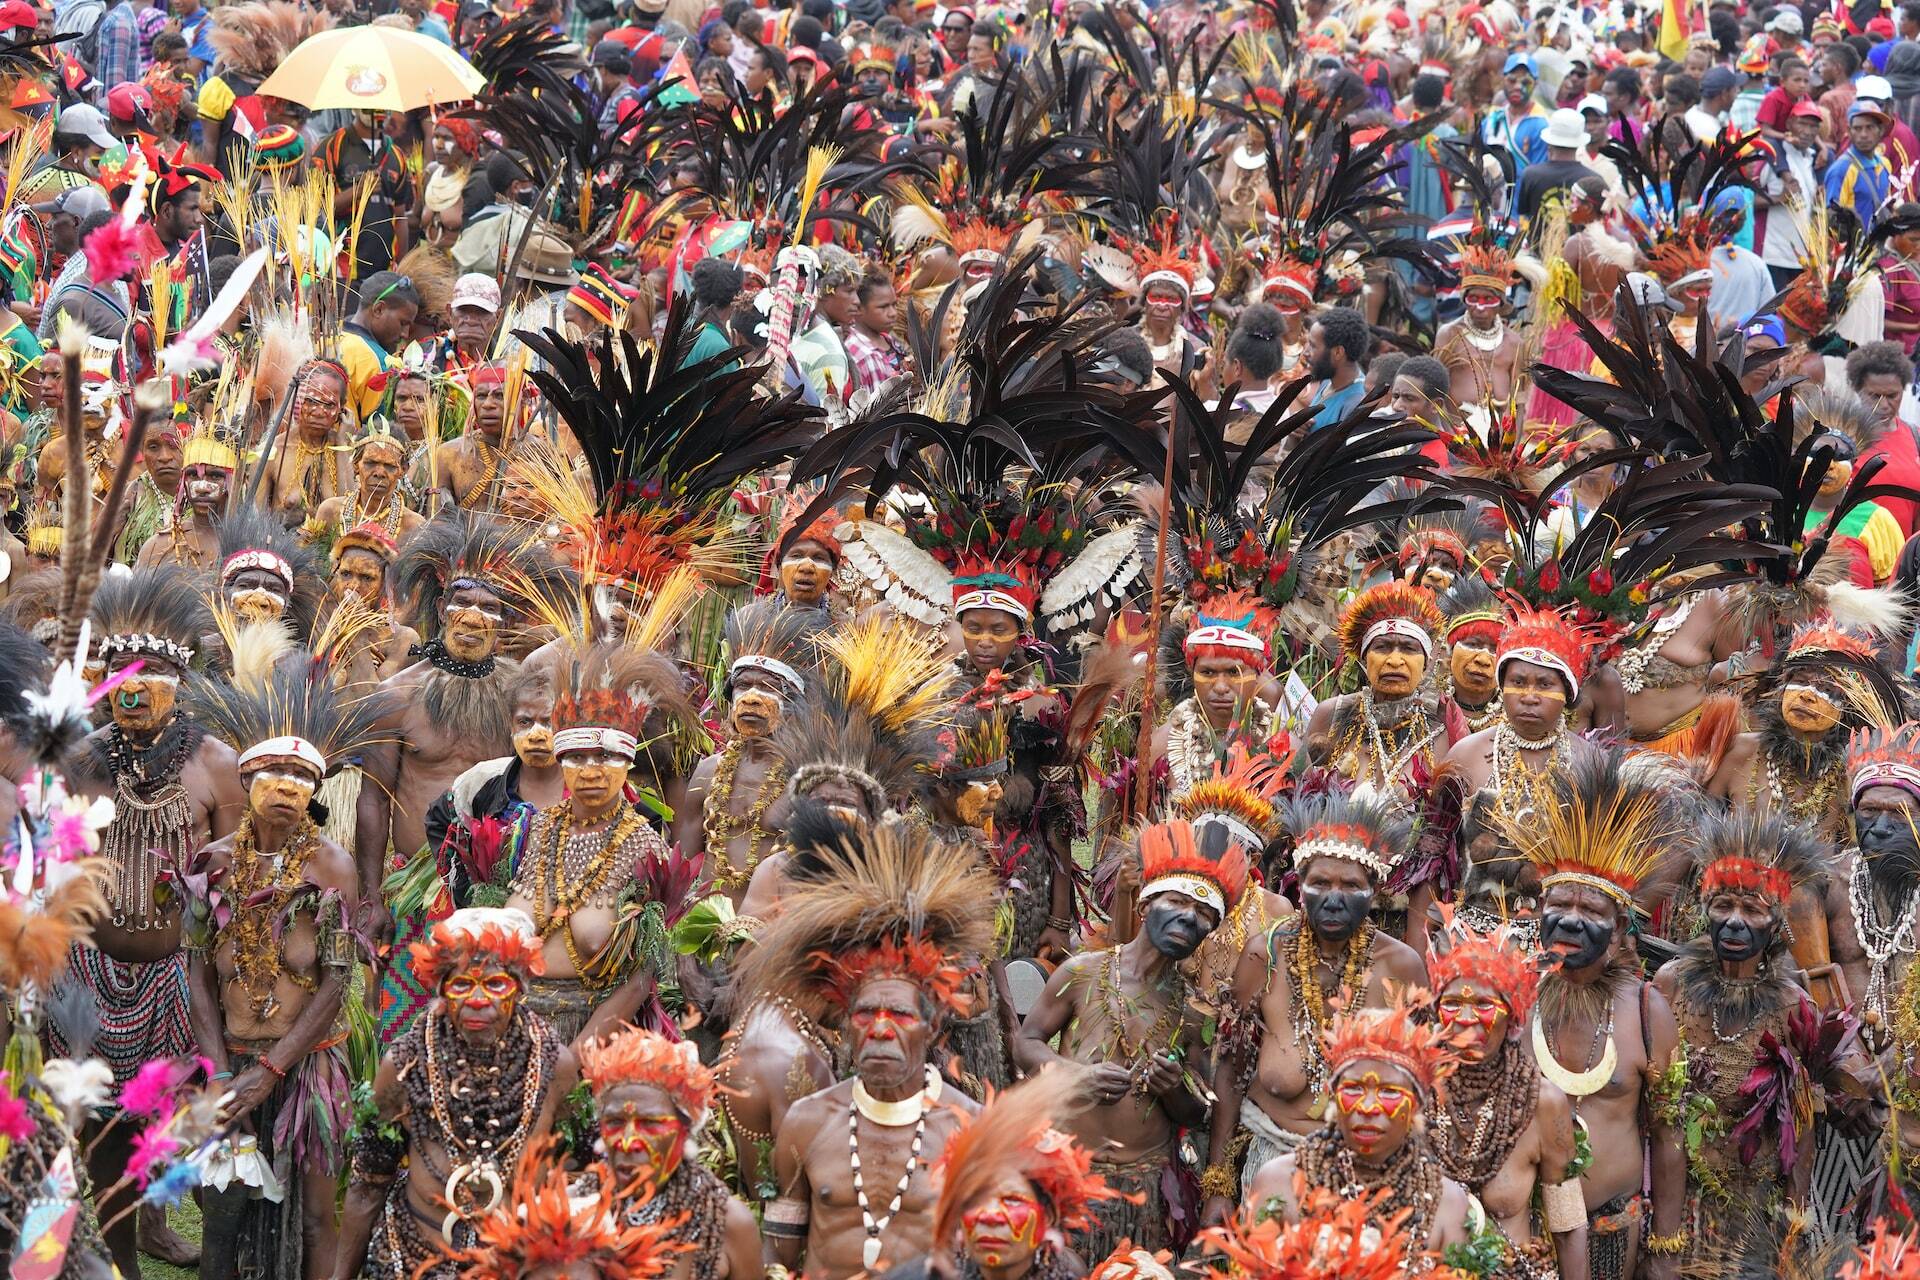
(533,743)
(470,629)
(144,701)
(1808,710)
(1476,1016)
(755,713)
(1374,1107)
(595,779)
(1335,915)
(1739,935)
(1883,825)
(1472,670)
(805,572)
(280,794)
(976,804)
(480,998)
(1005,1230)
(990,636)
(1176,925)
(257,604)
(1395,666)
(1369,1095)
(1579,942)
(643,1141)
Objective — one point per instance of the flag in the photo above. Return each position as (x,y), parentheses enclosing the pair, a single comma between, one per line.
(1674,30)
(676,82)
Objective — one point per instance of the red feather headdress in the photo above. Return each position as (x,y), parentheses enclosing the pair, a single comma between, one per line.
(473,932)
(1390,607)
(633,1056)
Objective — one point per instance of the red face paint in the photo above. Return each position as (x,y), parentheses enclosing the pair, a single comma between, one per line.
(658,1138)
(474,992)
(1369,1095)
(1004,1226)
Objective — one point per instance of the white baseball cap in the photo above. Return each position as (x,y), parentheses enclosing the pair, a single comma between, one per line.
(1876,88)
(85,121)
(1594,102)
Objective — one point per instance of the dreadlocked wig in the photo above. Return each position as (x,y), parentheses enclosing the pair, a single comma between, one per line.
(872,715)
(475,932)
(457,547)
(666,440)
(1612,827)
(1016,1135)
(151,612)
(539,1229)
(631,1056)
(888,904)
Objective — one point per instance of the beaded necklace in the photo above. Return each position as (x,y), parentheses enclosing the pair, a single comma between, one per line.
(562,894)
(350,517)
(1410,1176)
(259,886)
(1488,1106)
(721,826)
(435,652)
(153,822)
(1883,943)
(1522,789)
(1193,746)
(1310,999)
(1158,1036)
(489,468)
(1380,749)
(696,1202)
(870,1247)
(477,1150)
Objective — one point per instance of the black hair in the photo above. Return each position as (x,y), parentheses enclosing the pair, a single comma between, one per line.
(1128,348)
(1432,376)
(715,65)
(221,270)
(806,32)
(387,286)
(1726,31)
(1255,342)
(1429,91)
(1625,80)
(871,283)
(1384,369)
(166,44)
(733,10)
(531,678)
(1848,55)
(503,171)
(1681,88)
(1861,46)
(96,220)
(1875,359)
(716,283)
(1347,329)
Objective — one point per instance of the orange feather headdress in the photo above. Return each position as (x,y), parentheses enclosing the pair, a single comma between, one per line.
(1893,1255)
(1336,1238)
(633,1056)
(1758,852)
(1389,1035)
(1014,1136)
(1547,638)
(1205,865)
(501,934)
(1239,796)
(1497,961)
(1390,608)
(539,1226)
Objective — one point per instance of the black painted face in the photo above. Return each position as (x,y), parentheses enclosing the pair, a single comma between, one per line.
(1578,940)
(1736,938)
(1883,824)
(1336,914)
(1176,924)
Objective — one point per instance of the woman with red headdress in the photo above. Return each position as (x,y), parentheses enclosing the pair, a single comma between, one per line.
(455,188)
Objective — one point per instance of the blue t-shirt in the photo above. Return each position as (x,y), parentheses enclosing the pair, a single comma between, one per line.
(1335,405)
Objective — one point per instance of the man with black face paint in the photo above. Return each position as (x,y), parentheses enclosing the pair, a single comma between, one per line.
(1343,845)
(1873,904)
(1602,1034)
(1124,1011)
(1729,988)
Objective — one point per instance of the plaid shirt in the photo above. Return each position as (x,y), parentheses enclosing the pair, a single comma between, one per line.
(873,362)
(119,46)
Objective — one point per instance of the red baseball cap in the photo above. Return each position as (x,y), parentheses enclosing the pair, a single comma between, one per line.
(800,53)
(18,13)
(1807,107)
(129,103)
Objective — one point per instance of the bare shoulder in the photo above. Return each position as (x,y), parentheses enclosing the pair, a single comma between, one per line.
(1664,980)
(331,868)
(1273,1182)
(806,1115)
(1475,746)
(1394,959)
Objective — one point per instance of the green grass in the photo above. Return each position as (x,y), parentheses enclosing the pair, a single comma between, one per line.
(184,1218)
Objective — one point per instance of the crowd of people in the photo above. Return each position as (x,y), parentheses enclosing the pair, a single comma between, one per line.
(893,639)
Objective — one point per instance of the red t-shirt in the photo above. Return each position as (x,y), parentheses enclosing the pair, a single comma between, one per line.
(1902,452)
(1774,109)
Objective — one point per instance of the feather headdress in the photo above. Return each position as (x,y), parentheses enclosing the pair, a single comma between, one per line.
(1363,825)
(666,438)
(253,538)
(1336,1238)
(255,38)
(776,639)
(1390,608)
(1758,852)
(1206,863)
(872,714)
(1884,757)
(293,714)
(1016,1135)
(457,546)
(887,905)
(151,613)
(1611,827)
(1678,215)
(1548,638)
(539,1228)
(631,1056)
(611,697)
(1238,795)
(1391,1035)
(1473,611)
(500,935)
(1498,961)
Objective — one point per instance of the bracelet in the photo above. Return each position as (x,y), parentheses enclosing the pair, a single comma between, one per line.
(1219,1180)
(267,1062)
(218,1076)
(1061,923)
(1665,1246)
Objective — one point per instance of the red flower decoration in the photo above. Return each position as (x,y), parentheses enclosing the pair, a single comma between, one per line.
(1550,576)
(1600,581)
